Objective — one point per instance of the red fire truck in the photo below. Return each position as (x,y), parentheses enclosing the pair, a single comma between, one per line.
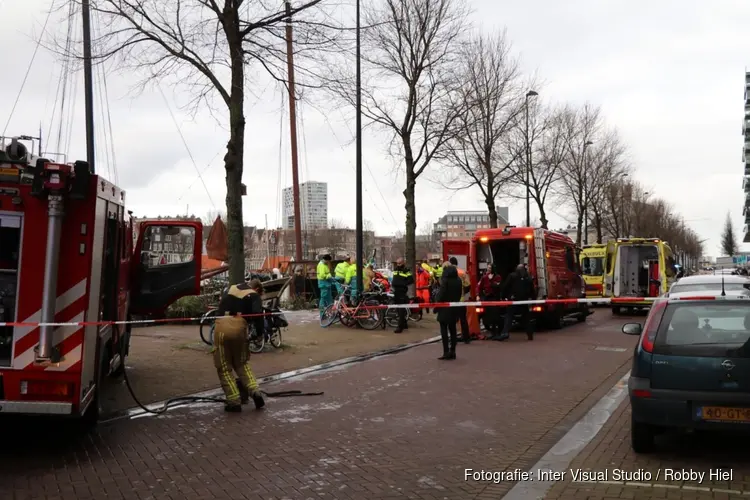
(551,258)
(67,255)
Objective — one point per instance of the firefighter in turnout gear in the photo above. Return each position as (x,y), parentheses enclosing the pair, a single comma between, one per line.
(402,280)
(231,343)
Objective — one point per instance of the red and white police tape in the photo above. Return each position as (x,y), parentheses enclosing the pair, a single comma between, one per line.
(624,301)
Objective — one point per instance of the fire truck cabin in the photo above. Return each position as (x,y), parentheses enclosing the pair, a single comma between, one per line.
(66,256)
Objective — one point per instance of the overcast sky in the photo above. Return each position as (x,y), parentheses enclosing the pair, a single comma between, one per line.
(669,75)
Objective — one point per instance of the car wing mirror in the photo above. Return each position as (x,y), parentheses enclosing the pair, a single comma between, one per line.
(632,329)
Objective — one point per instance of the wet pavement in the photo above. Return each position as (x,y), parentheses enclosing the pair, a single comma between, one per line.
(399,426)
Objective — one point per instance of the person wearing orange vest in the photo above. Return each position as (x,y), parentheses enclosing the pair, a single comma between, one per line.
(423,285)
(465,335)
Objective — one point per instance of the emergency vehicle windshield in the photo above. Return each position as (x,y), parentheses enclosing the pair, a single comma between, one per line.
(593,266)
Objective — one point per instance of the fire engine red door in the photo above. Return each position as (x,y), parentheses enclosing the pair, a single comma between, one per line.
(157,280)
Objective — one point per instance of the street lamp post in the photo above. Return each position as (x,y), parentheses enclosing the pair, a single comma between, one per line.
(360,251)
(530,93)
(584,201)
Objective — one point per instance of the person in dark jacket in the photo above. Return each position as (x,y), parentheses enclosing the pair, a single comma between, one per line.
(490,289)
(402,280)
(231,343)
(518,286)
(451,289)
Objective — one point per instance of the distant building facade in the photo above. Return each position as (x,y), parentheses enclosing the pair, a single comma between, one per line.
(464,223)
(313,205)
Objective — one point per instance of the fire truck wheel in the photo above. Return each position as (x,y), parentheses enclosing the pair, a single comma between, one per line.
(554,321)
(616,310)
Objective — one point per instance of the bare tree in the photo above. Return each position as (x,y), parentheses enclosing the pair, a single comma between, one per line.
(581,128)
(491,99)
(549,151)
(606,167)
(409,55)
(206,46)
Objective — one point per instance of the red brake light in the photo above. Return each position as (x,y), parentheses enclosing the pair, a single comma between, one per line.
(698,297)
(641,393)
(652,324)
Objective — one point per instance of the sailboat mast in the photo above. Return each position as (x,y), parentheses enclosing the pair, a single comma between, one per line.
(88,83)
(293,129)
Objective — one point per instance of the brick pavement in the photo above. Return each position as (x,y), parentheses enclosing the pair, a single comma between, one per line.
(401,426)
(699,452)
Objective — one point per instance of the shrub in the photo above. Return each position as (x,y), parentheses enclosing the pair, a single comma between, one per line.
(186,307)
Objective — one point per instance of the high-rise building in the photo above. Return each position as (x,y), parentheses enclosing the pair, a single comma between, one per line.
(746,159)
(313,197)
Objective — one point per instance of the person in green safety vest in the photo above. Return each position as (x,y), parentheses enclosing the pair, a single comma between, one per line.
(340,272)
(351,280)
(325,280)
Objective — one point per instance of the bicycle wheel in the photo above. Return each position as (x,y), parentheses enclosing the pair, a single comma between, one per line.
(348,320)
(391,317)
(416,315)
(330,316)
(257,342)
(207,325)
(375,317)
(275,338)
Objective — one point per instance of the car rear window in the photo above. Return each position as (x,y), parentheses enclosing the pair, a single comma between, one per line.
(705,287)
(703,329)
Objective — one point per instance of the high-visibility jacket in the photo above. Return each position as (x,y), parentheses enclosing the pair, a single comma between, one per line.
(438,272)
(324,272)
(351,272)
(340,271)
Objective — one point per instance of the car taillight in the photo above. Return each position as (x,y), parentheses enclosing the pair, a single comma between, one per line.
(641,393)
(652,325)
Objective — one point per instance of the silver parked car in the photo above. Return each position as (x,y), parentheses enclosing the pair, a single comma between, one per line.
(709,283)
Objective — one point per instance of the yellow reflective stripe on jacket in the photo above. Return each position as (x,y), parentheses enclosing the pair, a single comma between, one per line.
(323,270)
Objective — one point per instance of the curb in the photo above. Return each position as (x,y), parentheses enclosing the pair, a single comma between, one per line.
(136,412)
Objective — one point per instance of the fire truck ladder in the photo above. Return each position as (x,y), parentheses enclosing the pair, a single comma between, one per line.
(540,249)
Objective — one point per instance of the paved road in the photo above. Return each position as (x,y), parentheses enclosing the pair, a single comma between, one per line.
(402,426)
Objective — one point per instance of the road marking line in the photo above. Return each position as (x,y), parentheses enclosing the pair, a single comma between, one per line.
(559,457)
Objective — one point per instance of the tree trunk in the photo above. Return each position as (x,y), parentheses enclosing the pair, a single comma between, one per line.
(580,208)
(492,212)
(233,161)
(542,213)
(411,218)
(598,223)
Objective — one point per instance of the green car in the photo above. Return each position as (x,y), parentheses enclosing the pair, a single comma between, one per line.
(691,367)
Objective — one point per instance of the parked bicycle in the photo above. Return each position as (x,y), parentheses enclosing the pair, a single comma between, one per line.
(274,323)
(391,315)
(364,313)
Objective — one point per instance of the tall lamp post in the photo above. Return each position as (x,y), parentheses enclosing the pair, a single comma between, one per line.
(530,93)
(622,204)
(585,199)
(360,226)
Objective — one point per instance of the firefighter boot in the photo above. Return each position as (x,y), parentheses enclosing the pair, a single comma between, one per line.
(258,399)
(244,393)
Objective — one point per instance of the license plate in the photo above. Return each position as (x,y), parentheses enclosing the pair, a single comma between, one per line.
(723,414)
